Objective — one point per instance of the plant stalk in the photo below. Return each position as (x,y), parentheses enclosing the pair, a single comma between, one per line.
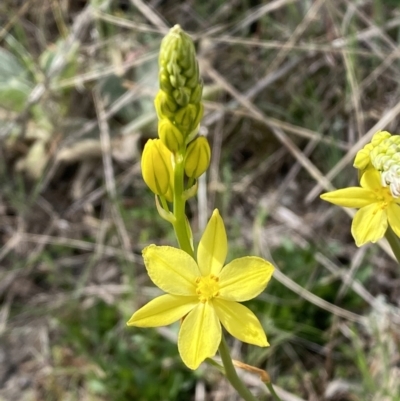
(180,228)
(394,242)
(272,391)
(231,374)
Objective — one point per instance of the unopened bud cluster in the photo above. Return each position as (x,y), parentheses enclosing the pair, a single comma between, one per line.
(178,102)
(385,157)
(179,111)
(363,158)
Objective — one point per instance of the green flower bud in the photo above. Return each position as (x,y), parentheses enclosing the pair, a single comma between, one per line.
(165,85)
(385,157)
(179,99)
(386,153)
(379,137)
(157,168)
(195,97)
(165,105)
(181,96)
(179,70)
(170,135)
(189,117)
(362,160)
(197,157)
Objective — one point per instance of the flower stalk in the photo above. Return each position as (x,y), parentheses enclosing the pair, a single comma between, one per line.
(272,391)
(179,225)
(231,374)
(394,243)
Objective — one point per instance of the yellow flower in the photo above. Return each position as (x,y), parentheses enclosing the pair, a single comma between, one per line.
(204,294)
(378,208)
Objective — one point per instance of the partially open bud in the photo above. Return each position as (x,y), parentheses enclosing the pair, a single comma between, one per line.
(170,135)
(157,168)
(197,157)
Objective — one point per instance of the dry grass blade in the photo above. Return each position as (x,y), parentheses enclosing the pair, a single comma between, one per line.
(279,134)
(321,303)
(273,122)
(21,11)
(311,14)
(109,171)
(82,245)
(89,76)
(260,12)
(303,47)
(151,15)
(125,23)
(351,77)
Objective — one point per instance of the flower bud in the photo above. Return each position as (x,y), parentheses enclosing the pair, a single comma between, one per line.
(165,105)
(182,96)
(197,157)
(178,58)
(362,160)
(181,87)
(196,94)
(385,157)
(170,135)
(189,117)
(157,168)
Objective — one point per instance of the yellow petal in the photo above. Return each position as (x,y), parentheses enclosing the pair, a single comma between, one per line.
(240,322)
(199,336)
(350,197)
(163,311)
(371,179)
(171,269)
(244,278)
(213,246)
(393,212)
(369,224)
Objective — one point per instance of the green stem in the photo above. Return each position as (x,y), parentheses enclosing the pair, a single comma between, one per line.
(230,373)
(164,203)
(394,242)
(272,391)
(180,225)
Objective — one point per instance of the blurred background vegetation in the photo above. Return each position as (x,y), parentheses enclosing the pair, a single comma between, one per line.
(292,90)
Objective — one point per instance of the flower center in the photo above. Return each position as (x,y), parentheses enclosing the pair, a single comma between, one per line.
(384,197)
(207,287)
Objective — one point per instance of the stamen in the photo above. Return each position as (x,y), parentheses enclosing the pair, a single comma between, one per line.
(207,287)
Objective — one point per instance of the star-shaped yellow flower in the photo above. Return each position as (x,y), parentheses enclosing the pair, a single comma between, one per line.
(205,294)
(378,207)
